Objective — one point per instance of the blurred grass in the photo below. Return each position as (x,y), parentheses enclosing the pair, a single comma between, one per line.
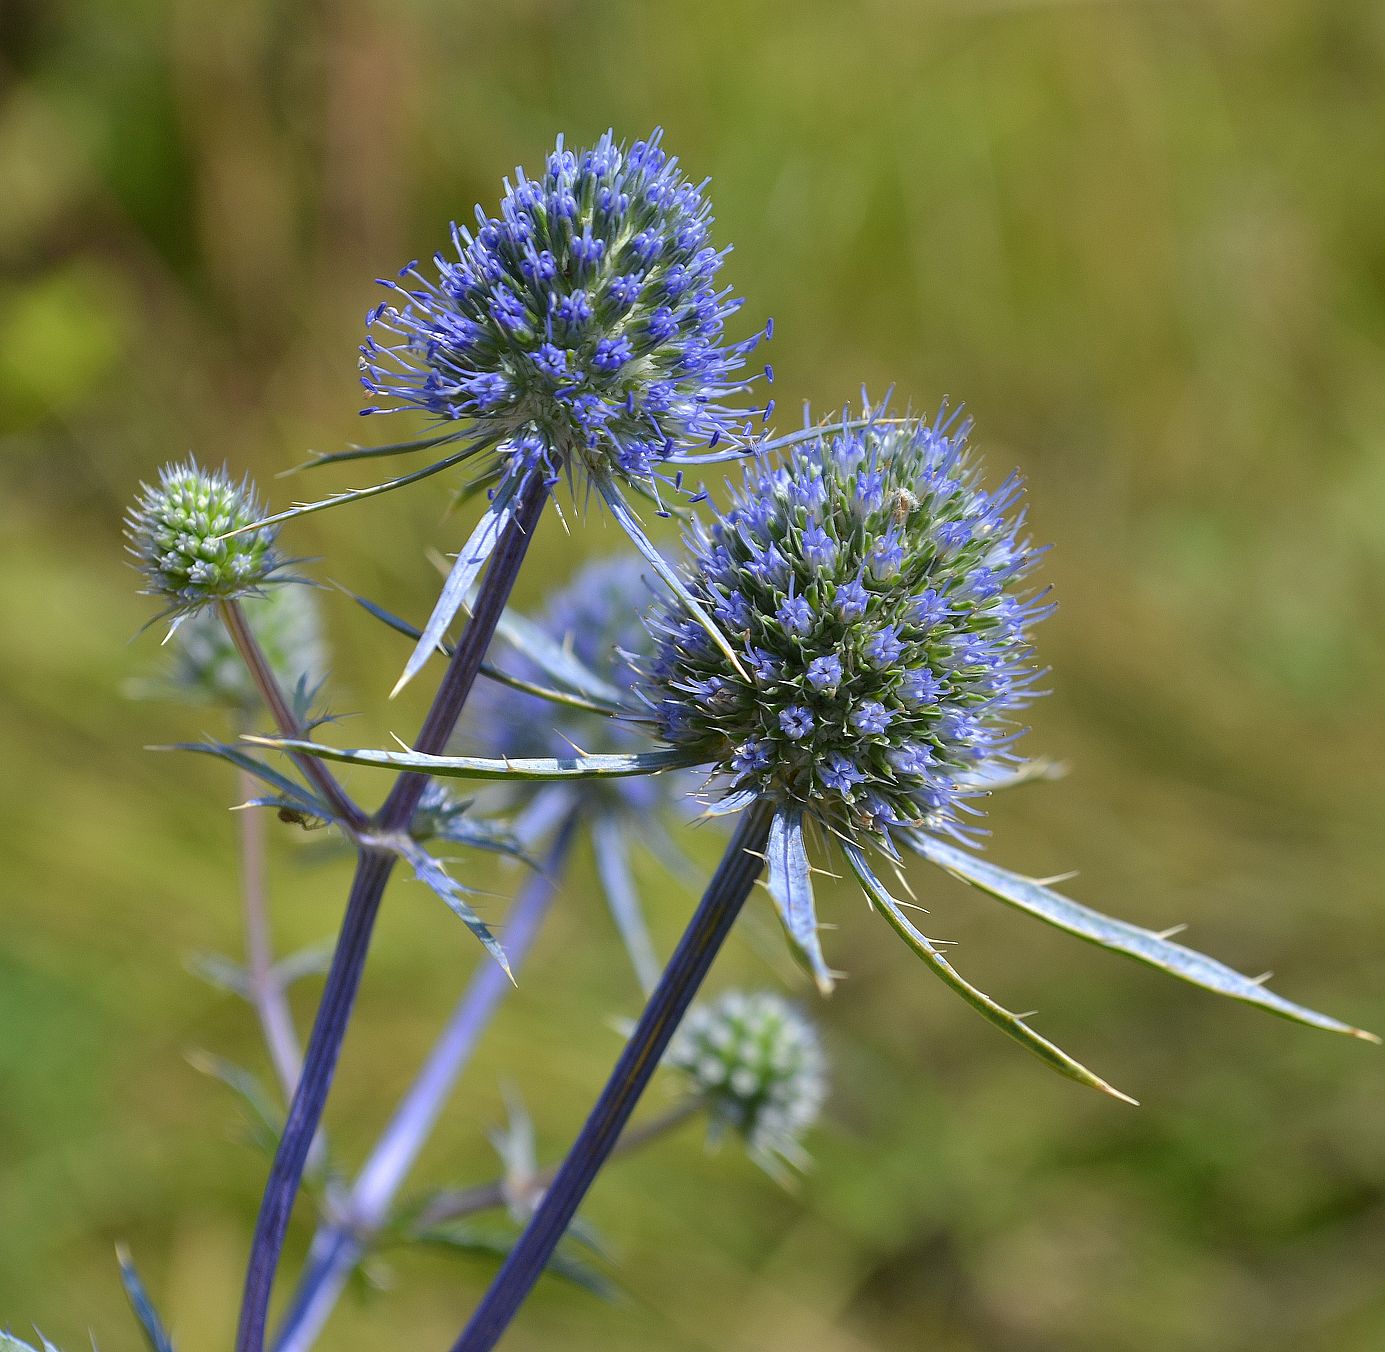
(1144,242)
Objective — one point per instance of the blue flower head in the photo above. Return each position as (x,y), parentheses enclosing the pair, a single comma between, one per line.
(584,319)
(880,678)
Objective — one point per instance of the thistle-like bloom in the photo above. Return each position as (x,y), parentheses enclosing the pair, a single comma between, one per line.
(180,535)
(580,334)
(871,585)
(758,1064)
(583,321)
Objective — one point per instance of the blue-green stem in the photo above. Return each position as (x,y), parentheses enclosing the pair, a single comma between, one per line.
(692,959)
(339,1246)
(373,868)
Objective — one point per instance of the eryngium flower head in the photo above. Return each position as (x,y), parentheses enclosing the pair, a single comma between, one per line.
(869,586)
(759,1065)
(204,666)
(583,320)
(598,618)
(179,534)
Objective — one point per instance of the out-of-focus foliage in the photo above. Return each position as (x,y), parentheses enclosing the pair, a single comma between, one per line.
(1143,241)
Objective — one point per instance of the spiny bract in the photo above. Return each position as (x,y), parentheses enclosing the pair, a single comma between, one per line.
(179,534)
(868,585)
(583,322)
(757,1062)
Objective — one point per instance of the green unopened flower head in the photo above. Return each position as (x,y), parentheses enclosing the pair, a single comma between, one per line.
(180,534)
(758,1063)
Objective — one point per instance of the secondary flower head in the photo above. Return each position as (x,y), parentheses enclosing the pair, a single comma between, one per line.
(583,321)
(179,534)
(869,585)
(759,1065)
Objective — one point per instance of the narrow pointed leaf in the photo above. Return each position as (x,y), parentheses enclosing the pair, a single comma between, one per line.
(1120,936)
(9,1343)
(731,803)
(595,704)
(1008,1023)
(318,459)
(612,766)
(360,494)
(295,793)
(471,560)
(613,868)
(266,1119)
(143,1307)
(630,523)
(432,874)
(559,663)
(1026,772)
(790,883)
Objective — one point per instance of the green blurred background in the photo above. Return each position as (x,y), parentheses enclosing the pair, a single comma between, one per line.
(1144,241)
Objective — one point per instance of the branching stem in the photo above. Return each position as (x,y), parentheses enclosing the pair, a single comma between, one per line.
(374,866)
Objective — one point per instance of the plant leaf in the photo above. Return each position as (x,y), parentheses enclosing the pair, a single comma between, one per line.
(1026,772)
(790,883)
(140,1303)
(613,869)
(9,1343)
(471,559)
(294,792)
(570,700)
(630,523)
(267,1123)
(432,874)
(1003,1019)
(559,663)
(320,458)
(360,494)
(579,766)
(1143,945)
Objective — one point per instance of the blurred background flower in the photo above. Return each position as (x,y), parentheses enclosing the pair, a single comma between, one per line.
(1142,242)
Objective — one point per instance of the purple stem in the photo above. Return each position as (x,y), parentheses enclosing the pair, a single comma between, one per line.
(721,903)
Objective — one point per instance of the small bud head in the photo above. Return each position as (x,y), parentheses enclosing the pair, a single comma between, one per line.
(180,535)
(759,1065)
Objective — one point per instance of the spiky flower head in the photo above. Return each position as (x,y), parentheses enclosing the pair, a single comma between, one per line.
(597,618)
(179,532)
(869,586)
(758,1063)
(583,320)
(203,666)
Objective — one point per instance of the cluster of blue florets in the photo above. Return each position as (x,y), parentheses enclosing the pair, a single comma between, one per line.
(583,322)
(868,588)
